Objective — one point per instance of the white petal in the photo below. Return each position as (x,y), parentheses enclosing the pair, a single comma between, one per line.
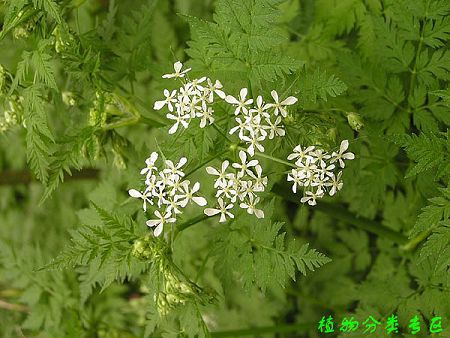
(225,165)
(211,211)
(344,146)
(231,99)
(134,193)
(274,95)
(153,222)
(173,129)
(289,101)
(158,105)
(158,230)
(242,156)
(259,213)
(153,156)
(212,171)
(220,93)
(201,201)
(182,162)
(348,156)
(252,163)
(304,199)
(243,93)
(177,66)
(196,187)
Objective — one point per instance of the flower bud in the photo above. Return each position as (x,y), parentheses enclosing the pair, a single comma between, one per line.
(68,98)
(140,250)
(355,121)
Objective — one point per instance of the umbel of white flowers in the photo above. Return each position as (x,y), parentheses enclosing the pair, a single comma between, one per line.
(238,186)
(317,171)
(194,99)
(168,190)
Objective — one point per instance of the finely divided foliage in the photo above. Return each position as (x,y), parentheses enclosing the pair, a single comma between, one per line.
(207,144)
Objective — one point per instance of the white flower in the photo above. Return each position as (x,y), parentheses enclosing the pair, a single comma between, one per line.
(170,98)
(242,103)
(254,143)
(145,196)
(174,170)
(260,181)
(215,88)
(342,155)
(247,188)
(222,175)
(195,84)
(280,107)
(336,184)
(159,223)
(311,197)
(251,207)
(222,210)
(300,154)
(244,165)
(188,195)
(178,73)
(178,119)
(242,126)
(261,107)
(150,162)
(206,115)
(228,190)
(325,170)
(297,178)
(275,128)
(173,205)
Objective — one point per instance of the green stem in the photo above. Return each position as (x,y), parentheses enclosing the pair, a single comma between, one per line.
(13,307)
(206,162)
(346,216)
(419,48)
(270,158)
(412,244)
(189,223)
(265,329)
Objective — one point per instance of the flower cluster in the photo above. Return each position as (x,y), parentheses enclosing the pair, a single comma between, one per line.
(168,190)
(239,185)
(12,113)
(257,122)
(192,100)
(316,171)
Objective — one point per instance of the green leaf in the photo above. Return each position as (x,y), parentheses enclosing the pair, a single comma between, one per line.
(319,85)
(39,136)
(437,247)
(432,214)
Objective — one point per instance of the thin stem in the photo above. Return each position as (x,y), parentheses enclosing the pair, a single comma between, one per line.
(189,223)
(412,244)
(206,162)
(346,216)
(270,158)
(419,48)
(221,133)
(13,307)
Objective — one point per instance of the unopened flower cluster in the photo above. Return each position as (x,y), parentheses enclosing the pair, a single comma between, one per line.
(257,122)
(12,113)
(317,171)
(237,184)
(192,100)
(167,190)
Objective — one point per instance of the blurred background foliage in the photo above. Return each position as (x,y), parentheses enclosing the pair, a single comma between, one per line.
(78,82)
